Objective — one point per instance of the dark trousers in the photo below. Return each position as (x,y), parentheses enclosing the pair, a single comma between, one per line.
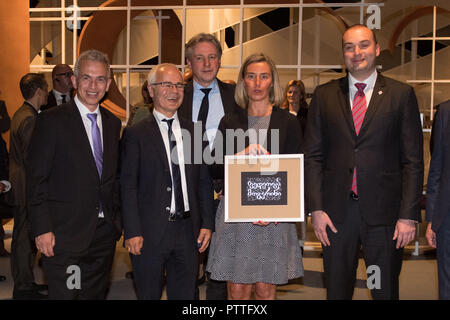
(23,252)
(443,259)
(176,256)
(341,258)
(93,265)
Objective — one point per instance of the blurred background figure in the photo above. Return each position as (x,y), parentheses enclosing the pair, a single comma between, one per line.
(34,90)
(5,209)
(143,109)
(295,101)
(62,86)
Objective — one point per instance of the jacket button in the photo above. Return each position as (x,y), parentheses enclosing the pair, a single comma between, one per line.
(356,149)
(169,189)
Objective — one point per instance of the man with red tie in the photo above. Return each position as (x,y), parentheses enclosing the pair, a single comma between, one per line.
(363,170)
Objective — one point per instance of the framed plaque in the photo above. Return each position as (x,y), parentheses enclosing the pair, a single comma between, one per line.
(264,188)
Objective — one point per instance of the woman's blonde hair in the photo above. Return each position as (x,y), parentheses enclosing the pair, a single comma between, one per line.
(276,92)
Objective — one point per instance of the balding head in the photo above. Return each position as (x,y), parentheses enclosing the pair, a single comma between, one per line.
(166,88)
(61,78)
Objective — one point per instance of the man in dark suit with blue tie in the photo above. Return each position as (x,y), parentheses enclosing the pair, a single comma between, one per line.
(166,193)
(438,191)
(72,191)
(363,170)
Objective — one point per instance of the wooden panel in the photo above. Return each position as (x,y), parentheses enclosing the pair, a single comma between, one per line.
(14,53)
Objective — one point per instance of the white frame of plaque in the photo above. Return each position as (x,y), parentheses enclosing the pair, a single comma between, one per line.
(243,159)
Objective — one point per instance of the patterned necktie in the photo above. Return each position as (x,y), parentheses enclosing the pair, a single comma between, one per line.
(358,111)
(176,174)
(97,142)
(203,113)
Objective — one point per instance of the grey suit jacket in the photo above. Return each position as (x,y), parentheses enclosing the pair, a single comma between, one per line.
(22,126)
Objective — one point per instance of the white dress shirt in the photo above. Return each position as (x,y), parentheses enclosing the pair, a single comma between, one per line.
(215,111)
(176,129)
(368,90)
(58,96)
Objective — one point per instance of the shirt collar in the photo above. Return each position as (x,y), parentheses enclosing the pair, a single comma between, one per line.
(57,93)
(159,116)
(83,110)
(212,85)
(370,81)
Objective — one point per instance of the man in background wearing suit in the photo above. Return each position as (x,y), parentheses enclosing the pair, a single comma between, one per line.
(438,190)
(72,190)
(62,86)
(207,99)
(5,123)
(167,198)
(34,90)
(363,170)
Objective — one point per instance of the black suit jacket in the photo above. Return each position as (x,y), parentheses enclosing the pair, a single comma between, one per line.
(22,126)
(388,153)
(145,180)
(226,93)
(290,138)
(51,101)
(5,123)
(438,186)
(64,188)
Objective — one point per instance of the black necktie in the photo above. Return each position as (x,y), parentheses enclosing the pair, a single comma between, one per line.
(203,113)
(176,174)
(63,98)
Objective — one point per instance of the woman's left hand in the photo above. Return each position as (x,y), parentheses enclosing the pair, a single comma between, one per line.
(261,223)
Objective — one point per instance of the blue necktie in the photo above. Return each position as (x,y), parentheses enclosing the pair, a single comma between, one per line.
(97,142)
(176,174)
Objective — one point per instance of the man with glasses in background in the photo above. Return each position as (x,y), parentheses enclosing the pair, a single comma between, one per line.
(62,86)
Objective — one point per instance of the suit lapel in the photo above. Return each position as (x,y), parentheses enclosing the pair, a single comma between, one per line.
(80,135)
(158,141)
(227,97)
(108,143)
(375,103)
(344,103)
(188,99)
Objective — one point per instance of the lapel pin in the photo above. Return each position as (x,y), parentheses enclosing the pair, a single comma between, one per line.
(380,93)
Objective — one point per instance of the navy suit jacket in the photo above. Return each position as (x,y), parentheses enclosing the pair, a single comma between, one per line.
(438,186)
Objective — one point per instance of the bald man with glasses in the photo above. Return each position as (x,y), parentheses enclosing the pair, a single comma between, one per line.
(167,197)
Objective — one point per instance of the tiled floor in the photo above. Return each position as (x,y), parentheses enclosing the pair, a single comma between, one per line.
(418,279)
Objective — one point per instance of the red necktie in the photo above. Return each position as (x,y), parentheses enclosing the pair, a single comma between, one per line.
(358,111)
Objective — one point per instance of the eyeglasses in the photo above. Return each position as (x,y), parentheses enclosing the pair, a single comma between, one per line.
(169,85)
(67,74)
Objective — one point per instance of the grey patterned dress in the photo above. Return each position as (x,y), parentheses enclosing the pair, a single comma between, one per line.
(247,253)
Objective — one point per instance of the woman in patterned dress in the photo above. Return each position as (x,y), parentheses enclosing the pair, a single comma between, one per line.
(255,257)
